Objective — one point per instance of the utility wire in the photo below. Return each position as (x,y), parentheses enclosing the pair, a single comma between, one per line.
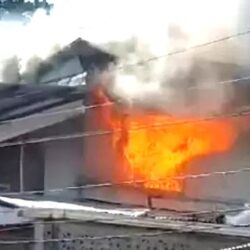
(70,111)
(188,49)
(139,63)
(146,61)
(81,110)
(111,184)
(176,52)
(31,224)
(107,132)
(242,246)
(96,238)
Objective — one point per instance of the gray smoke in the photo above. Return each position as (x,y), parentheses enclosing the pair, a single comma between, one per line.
(184,84)
(10,70)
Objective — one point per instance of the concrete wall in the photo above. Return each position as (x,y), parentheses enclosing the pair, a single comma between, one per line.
(212,192)
(63,164)
(43,162)
(9,168)
(16,235)
(33,168)
(100,161)
(167,241)
(228,187)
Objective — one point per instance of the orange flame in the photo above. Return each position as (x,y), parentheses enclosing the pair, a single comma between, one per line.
(155,151)
(156,147)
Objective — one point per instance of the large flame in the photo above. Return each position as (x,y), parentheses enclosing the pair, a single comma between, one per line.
(155,151)
(157,147)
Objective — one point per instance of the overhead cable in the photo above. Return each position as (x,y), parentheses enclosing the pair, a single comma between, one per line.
(96,238)
(242,246)
(111,184)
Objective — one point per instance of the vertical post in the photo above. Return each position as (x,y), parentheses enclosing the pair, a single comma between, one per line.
(39,235)
(21,163)
(149,201)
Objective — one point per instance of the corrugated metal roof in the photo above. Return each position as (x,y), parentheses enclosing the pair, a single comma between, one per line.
(22,100)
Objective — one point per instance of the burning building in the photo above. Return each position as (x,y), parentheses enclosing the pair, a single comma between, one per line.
(137,150)
(153,150)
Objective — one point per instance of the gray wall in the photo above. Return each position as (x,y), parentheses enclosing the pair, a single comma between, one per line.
(33,168)
(63,163)
(33,174)
(174,241)
(228,187)
(9,168)
(100,162)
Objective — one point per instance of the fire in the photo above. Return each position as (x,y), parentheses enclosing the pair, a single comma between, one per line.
(157,147)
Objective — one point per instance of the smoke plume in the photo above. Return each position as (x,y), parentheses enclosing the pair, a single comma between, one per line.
(185,83)
(135,31)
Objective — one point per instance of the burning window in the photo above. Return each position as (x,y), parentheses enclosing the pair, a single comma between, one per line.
(156,147)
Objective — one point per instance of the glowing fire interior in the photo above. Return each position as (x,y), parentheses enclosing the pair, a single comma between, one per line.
(157,147)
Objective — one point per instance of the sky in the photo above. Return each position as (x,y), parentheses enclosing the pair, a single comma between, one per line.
(114,20)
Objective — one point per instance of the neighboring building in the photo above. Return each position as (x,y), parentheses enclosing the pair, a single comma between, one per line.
(26,109)
(34,166)
(47,225)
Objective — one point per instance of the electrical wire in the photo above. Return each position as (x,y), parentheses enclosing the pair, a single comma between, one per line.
(176,52)
(191,48)
(107,132)
(70,111)
(111,184)
(96,238)
(81,110)
(242,246)
(31,224)
(146,61)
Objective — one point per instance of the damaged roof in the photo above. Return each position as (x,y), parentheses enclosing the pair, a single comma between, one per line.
(23,100)
(77,57)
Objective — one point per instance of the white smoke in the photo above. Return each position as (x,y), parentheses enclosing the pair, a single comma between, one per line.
(135,30)
(186,83)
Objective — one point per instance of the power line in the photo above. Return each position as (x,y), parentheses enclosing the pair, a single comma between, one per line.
(70,111)
(243,246)
(107,132)
(96,238)
(191,48)
(110,184)
(143,62)
(176,52)
(81,110)
(27,225)
(180,51)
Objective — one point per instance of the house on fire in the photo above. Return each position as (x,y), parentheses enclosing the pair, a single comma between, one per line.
(45,132)
(50,142)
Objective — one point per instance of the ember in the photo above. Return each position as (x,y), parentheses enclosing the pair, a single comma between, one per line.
(157,147)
